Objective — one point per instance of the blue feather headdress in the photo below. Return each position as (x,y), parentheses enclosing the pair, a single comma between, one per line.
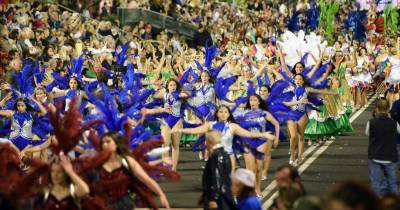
(222,87)
(356,21)
(117,121)
(210,54)
(293,21)
(312,20)
(76,69)
(121,57)
(108,109)
(38,73)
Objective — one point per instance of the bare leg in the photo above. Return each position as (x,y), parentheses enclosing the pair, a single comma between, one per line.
(233,163)
(364,98)
(259,171)
(301,128)
(292,127)
(176,140)
(357,98)
(249,161)
(267,158)
(166,134)
(259,167)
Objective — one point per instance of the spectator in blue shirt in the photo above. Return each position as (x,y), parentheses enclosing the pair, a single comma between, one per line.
(54,21)
(243,183)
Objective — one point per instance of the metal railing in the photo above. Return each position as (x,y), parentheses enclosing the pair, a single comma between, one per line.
(132,16)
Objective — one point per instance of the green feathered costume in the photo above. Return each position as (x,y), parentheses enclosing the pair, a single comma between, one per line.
(390,16)
(327,16)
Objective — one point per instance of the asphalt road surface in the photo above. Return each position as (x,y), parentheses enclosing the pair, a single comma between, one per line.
(334,161)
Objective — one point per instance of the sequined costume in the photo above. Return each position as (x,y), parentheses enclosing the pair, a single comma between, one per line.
(203,102)
(173,101)
(254,121)
(21,130)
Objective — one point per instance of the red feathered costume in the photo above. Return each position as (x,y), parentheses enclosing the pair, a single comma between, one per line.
(17,185)
(110,187)
(116,187)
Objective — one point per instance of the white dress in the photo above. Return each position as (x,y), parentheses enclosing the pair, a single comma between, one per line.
(394,76)
(361,75)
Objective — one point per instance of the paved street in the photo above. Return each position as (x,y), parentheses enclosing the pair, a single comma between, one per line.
(340,159)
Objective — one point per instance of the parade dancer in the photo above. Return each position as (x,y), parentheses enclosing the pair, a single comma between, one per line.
(228,127)
(298,123)
(257,119)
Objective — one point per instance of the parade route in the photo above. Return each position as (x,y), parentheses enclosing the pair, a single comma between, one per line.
(324,165)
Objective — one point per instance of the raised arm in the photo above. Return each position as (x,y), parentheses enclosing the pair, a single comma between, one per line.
(299,53)
(138,171)
(159,67)
(81,188)
(313,57)
(5,99)
(354,58)
(179,65)
(317,65)
(42,109)
(274,70)
(261,69)
(283,63)
(6,113)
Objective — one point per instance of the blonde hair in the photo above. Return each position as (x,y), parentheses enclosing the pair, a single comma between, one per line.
(382,106)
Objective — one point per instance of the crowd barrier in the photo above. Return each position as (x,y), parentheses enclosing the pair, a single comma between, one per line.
(132,16)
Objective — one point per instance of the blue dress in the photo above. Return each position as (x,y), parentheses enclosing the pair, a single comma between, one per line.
(254,121)
(21,130)
(298,111)
(227,137)
(173,101)
(203,104)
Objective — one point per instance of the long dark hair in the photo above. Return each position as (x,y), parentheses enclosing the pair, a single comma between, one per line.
(77,81)
(294,67)
(178,86)
(305,81)
(266,86)
(231,119)
(262,106)
(117,138)
(25,101)
(211,80)
(67,178)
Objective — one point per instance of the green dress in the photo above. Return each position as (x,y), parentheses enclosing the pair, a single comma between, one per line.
(345,91)
(330,121)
